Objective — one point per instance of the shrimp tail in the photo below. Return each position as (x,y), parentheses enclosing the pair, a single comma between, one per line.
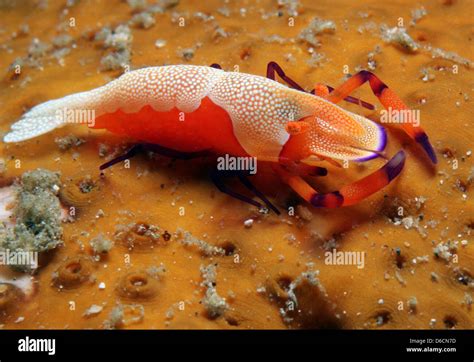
(47,116)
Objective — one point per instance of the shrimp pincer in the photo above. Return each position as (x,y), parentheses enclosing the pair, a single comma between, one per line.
(184,111)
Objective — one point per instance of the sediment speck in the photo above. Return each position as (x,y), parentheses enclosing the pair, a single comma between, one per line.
(205,248)
(214,304)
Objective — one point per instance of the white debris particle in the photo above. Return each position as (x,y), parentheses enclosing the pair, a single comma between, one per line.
(412,304)
(427,75)
(143,20)
(421,259)
(169,313)
(368,26)
(101,285)
(371,62)
(444,250)
(311,276)
(316,59)
(19,319)
(411,222)
(451,56)
(399,36)
(101,245)
(100,213)
(248,223)
(214,304)
(275,38)
(137,4)
(67,142)
(160,43)
(186,53)
(120,39)
(317,26)
(380,301)
(468,300)
(408,222)
(290,6)
(124,315)
(400,278)
(93,310)
(420,201)
(417,14)
(207,249)
(224,11)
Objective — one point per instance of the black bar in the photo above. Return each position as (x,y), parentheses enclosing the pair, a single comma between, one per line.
(291,345)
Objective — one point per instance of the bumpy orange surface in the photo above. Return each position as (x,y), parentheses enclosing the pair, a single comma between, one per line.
(264,261)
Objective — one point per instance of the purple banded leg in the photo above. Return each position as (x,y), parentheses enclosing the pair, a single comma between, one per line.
(164,151)
(350,99)
(349,194)
(389,100)
(301,169)
(273,68)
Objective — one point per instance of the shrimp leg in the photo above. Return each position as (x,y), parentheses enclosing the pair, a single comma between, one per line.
(218,175)
(217,178)
(273,68)
(143,147)
(246,182)
(349,194)
(389,100)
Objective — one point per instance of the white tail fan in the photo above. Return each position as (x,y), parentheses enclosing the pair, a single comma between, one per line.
(49,115)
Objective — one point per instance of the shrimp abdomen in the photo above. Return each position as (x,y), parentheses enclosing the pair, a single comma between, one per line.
(209,127)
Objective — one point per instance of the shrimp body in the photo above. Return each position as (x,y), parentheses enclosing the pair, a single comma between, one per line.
(191,108)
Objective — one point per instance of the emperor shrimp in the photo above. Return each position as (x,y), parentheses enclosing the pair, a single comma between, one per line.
(185,111)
